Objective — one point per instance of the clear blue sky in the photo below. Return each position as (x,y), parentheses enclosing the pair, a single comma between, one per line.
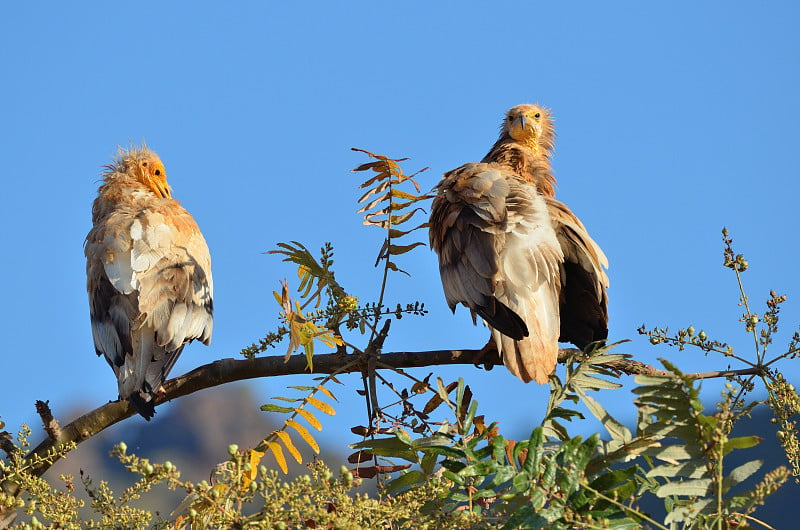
(673,121)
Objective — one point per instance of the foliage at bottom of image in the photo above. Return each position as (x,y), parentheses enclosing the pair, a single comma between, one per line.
(240,496)
(465,474)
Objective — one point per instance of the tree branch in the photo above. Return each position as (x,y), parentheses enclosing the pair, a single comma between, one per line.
(229,370)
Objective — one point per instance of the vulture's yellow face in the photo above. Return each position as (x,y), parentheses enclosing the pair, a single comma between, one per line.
(151,173)
(527,124)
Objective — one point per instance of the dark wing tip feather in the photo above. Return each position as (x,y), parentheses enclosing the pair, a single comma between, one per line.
(503,319)
(143,403)
(584,317)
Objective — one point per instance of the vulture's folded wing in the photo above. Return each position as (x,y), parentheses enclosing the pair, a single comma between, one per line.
(584,300)
(498,255)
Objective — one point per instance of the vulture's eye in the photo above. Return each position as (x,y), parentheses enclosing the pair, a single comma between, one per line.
(537,115)
(158,172)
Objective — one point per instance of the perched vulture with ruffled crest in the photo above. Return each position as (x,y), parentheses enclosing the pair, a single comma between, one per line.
(514,255)
(148,275)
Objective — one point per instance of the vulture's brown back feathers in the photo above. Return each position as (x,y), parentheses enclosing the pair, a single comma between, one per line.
(514,255)
(148,275)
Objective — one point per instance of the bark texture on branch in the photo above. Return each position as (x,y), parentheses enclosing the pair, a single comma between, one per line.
(229,370)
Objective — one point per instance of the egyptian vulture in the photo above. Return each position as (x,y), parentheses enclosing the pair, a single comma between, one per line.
(514,255)
(148,274)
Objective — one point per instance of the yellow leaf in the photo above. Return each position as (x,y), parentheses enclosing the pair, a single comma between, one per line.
(403,195)
(287,441)
(368,165)
(285,302)
(221,488)
(250,476)
(310,418)
(277,452)
(326,392)
(321,406)
(304,434)
(330,340)
(309,348)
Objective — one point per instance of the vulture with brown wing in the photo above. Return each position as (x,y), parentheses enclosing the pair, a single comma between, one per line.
(148,276)
(514,255)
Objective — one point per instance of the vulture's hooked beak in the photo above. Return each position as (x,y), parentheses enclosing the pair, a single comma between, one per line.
(524,128)
(160,188)
(166,192)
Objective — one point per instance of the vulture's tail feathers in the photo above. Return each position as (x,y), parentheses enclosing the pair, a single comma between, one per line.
(535,356)
(143,403)
(143,373)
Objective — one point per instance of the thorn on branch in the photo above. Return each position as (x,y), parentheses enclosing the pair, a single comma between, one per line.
(377,345)
(51,426)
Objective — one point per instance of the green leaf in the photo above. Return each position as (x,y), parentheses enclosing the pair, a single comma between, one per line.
(553,429)
(470,417)
(449,452)
(502,475)
(428,463)
(611,480)
(269,407)
(521,483)
(616,429)
(623,453)
(741,473)
(403,436)
(669,452)
(392,447)
(460,392)
(442,391)
(675,429)
(449,475)
(435,440)
(384,443)
(742,442)
(567,414)
(406,481)
(290,400)
(534,458)
(480,469)
(690,469)
(525,517)
(687,488)
(588,382)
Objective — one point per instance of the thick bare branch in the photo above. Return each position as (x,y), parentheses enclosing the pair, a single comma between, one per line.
(229,370)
